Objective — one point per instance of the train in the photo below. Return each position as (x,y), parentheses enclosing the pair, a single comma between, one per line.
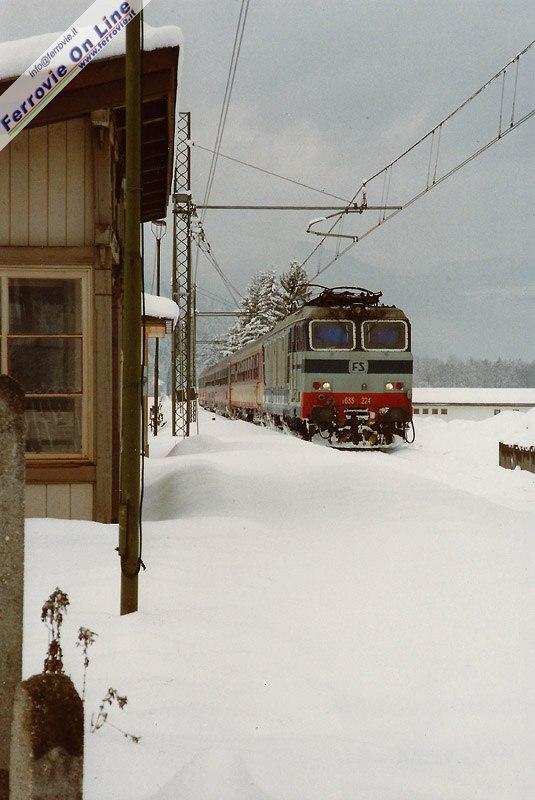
(339,368)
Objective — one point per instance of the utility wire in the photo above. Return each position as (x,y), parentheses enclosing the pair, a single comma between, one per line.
(214,296)
(240,29)
(272,174)
(234,293)
(238,38)
(204,247)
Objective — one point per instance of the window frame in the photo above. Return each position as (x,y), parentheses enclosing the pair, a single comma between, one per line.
(83,273)
(385,349)
(332,349)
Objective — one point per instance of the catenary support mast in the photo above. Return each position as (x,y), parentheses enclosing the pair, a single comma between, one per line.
(182,390)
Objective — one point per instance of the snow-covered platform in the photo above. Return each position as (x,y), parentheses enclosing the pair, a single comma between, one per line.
(314,624)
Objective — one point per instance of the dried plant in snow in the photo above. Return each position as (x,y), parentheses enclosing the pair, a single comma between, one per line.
(86,637)
(112,696)
(52,615)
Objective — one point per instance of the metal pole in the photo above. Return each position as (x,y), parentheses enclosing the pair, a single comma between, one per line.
(156,350)
(194,406)
(226,207)
(355,208)
(129,511)
(182,207)
(221,313)
(174,353)
(189,321)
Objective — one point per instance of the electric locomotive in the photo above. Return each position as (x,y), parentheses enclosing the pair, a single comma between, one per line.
(340,367)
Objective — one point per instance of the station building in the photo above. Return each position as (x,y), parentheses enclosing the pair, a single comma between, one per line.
(462,403)
(61,239)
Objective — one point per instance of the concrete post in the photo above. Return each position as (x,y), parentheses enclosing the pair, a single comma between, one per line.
(47,740)
(11,560)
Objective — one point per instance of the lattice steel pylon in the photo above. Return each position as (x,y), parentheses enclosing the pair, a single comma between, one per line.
(183,380)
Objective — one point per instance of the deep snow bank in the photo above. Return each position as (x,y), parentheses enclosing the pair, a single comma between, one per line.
(314,625)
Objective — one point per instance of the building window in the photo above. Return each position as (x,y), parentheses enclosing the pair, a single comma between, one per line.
(434,411)
(44,342)
(425,411)
(443,410)
(416,410)
(496,411)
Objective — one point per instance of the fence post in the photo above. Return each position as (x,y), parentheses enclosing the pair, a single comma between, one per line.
(513,455)
(11,560)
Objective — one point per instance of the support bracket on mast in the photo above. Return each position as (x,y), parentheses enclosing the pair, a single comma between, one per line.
(352,208)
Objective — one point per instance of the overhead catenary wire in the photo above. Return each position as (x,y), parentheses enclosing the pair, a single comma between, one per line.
(424,191)
(386,171)
(453,113)
(514,93)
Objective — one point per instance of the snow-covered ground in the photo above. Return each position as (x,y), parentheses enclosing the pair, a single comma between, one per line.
(314,624)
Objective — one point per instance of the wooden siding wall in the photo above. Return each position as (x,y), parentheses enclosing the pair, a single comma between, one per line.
(57,208)
(59,500)
(46,186)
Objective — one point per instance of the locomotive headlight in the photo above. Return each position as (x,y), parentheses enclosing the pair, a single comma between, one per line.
(389,385)
(326,386)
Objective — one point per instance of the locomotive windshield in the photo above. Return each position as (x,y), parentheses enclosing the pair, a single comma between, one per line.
(384,334)
(332,334)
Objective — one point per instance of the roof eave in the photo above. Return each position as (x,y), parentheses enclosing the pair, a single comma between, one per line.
(102,85)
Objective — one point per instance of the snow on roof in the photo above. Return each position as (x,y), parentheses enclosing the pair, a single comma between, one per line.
(16,56)
(161,307)
(463,396)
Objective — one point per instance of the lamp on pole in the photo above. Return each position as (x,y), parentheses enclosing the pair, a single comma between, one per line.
(158,228)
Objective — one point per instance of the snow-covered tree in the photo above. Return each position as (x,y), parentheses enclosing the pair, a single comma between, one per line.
(261,308)
(268,300)
(294,288)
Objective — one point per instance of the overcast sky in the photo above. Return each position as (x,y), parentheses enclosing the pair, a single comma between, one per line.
(328,92)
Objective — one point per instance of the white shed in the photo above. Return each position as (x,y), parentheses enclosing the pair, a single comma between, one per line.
(462,403)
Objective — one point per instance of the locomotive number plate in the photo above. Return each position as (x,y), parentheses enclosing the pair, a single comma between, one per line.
(359,366)
(349,400)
